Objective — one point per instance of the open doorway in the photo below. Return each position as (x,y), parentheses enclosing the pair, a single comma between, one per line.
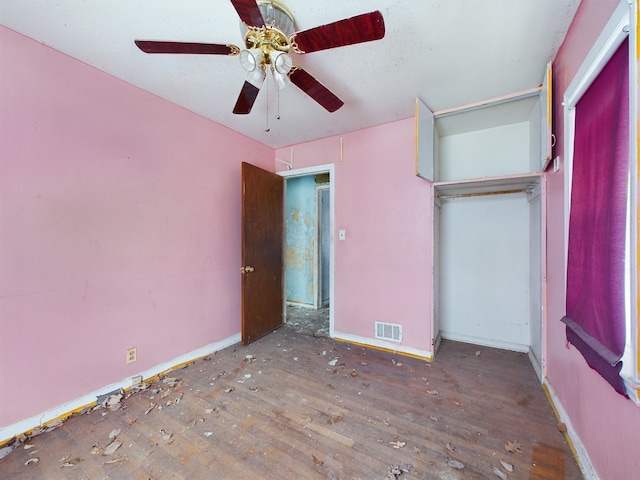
(308,251)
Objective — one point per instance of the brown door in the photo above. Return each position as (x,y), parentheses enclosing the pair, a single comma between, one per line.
(262,230)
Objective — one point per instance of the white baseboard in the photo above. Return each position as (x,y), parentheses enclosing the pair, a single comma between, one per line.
(535,364)
(90,399)
(436,344)
(578,447)
(381,344)
(514,347)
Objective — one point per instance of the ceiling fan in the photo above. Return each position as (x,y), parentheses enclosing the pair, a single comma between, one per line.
(269,36)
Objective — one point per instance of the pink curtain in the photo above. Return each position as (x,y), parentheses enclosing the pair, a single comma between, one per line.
(595,317)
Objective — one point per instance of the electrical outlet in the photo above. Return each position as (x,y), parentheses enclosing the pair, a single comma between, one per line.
(132,355)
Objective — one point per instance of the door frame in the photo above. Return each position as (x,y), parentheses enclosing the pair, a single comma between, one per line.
(316,170)
(319,233)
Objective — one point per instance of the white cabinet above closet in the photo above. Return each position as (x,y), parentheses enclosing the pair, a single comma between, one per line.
(504,136)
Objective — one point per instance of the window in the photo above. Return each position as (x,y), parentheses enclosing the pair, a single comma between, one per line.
(601,200)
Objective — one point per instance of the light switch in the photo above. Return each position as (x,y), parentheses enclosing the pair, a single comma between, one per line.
(342,234)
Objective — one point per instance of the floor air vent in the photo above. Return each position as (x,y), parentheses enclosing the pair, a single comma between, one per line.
(389,331)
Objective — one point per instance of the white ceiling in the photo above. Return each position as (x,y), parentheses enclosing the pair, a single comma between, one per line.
(445,52)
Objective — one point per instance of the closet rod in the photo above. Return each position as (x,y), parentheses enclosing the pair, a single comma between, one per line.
(532,92)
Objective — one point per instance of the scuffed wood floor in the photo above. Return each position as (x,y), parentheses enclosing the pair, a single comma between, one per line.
(292,406)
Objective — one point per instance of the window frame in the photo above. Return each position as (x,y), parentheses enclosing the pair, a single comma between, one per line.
(621,25)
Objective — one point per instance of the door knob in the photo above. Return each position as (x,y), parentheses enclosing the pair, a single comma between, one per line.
(246,269)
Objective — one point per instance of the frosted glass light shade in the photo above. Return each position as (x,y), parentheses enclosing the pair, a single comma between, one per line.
(256,77)
(251,59)
(281,61)
(282,80)
(276,16)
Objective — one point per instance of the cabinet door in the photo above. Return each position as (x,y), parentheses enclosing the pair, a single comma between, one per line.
(546,134)
(425,142)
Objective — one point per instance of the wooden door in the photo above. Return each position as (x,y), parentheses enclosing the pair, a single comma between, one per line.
(262,230)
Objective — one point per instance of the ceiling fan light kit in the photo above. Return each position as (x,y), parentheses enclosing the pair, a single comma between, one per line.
(269,37)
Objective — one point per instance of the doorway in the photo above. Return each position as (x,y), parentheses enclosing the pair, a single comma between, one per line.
(308,250)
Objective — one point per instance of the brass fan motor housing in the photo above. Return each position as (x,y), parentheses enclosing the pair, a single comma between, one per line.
(269,38)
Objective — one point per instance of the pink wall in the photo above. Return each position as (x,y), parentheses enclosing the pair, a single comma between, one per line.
(383,268)
(119,227)
(607,424)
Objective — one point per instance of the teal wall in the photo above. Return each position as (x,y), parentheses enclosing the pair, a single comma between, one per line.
(300,211)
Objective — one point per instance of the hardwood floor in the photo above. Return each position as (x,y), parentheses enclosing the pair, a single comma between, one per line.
(292,406)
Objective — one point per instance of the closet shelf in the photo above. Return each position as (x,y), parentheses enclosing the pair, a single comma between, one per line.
(487,185)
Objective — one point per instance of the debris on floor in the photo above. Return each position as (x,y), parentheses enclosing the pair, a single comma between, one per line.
(141,387)
(396,472)
(499,473)
(507,466)
(308,321)
(171,381)
(513,447)
(113,402)
(454,463)
(112,447)
(166,436)
(4,451)
(117,459)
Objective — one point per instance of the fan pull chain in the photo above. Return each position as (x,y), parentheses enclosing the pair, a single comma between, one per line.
(278,114)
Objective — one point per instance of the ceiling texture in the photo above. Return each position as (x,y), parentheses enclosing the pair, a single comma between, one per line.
(446,53)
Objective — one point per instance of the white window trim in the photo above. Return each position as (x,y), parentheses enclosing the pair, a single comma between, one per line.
(621,25)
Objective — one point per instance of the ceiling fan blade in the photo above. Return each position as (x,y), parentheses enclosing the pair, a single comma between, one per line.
(151,46)
(358,29)
(315,89)
(249,12)
(246,99)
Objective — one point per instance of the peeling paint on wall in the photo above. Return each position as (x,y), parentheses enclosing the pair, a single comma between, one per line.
(300,240)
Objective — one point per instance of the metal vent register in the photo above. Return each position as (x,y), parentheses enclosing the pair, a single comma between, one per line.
(389,331)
